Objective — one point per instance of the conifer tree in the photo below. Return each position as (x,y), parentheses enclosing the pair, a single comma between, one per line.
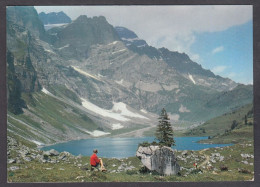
(164,131)
(245,119)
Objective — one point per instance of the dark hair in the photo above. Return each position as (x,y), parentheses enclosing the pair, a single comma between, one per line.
(95,151)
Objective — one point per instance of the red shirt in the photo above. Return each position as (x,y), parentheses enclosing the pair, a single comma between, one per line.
(94,160)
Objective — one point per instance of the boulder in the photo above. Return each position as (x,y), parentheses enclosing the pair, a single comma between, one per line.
(28,159)
(51,152)
(160,159)
(24,152)
(13,168)
(185,153)
(10,161)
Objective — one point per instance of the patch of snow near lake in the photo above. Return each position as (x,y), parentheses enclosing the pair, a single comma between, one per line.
(174,117)
(37,143)
(191,78)
(117,126)
(144,111)
(46,91)
(183,109)
(118,112)
(121,50)
(121,107)
(97,133)
(85,73)
(103,112)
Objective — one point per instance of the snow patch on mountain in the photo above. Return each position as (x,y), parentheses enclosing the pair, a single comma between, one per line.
(49,51)
(183,109)
(130,39)
(120,82)
(121,107)
(49,26)
(117,126)
(44,90)
(85,73)
(141,45)
(103,112)
(113,43)
(174,117)
(144,111)
(37,142)
(97,133)
(121,50)
(191,78)
(64,47)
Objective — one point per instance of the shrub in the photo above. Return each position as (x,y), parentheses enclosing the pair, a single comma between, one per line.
(196,171)
(234,125)
(131,172)
(245,171)
(144,170)
(250,123)
(223,168)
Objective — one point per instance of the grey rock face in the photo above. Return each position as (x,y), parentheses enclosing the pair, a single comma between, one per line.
(159,159)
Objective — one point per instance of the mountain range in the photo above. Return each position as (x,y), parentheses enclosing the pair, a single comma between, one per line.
(88,78)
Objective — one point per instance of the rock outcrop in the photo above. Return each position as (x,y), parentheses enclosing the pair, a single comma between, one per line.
(160,159)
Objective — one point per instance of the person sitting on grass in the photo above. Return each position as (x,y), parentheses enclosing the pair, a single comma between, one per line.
(95,162)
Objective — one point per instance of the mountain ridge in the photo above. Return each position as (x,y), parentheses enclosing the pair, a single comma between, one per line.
(87,62)
(54,18)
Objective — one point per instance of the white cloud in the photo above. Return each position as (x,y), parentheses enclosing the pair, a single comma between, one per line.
(217,50)
(219,69)
(172,27)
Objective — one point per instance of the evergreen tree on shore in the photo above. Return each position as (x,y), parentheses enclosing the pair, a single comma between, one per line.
(164,131)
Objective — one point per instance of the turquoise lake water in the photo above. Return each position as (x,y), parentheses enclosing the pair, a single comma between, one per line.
(124,147)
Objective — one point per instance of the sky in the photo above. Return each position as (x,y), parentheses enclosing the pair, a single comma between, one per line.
(219,37)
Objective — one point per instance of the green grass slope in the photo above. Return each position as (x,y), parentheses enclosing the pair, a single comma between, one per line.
(222,124)
(50,119)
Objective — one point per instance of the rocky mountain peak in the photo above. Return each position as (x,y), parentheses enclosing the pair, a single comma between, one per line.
(82,33)
(26,16)
(81,18)
(129,37)
(54,18)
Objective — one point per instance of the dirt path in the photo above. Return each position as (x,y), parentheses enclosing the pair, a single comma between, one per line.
(207,158)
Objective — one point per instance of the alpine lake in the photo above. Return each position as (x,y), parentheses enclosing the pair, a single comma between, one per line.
(124,147)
